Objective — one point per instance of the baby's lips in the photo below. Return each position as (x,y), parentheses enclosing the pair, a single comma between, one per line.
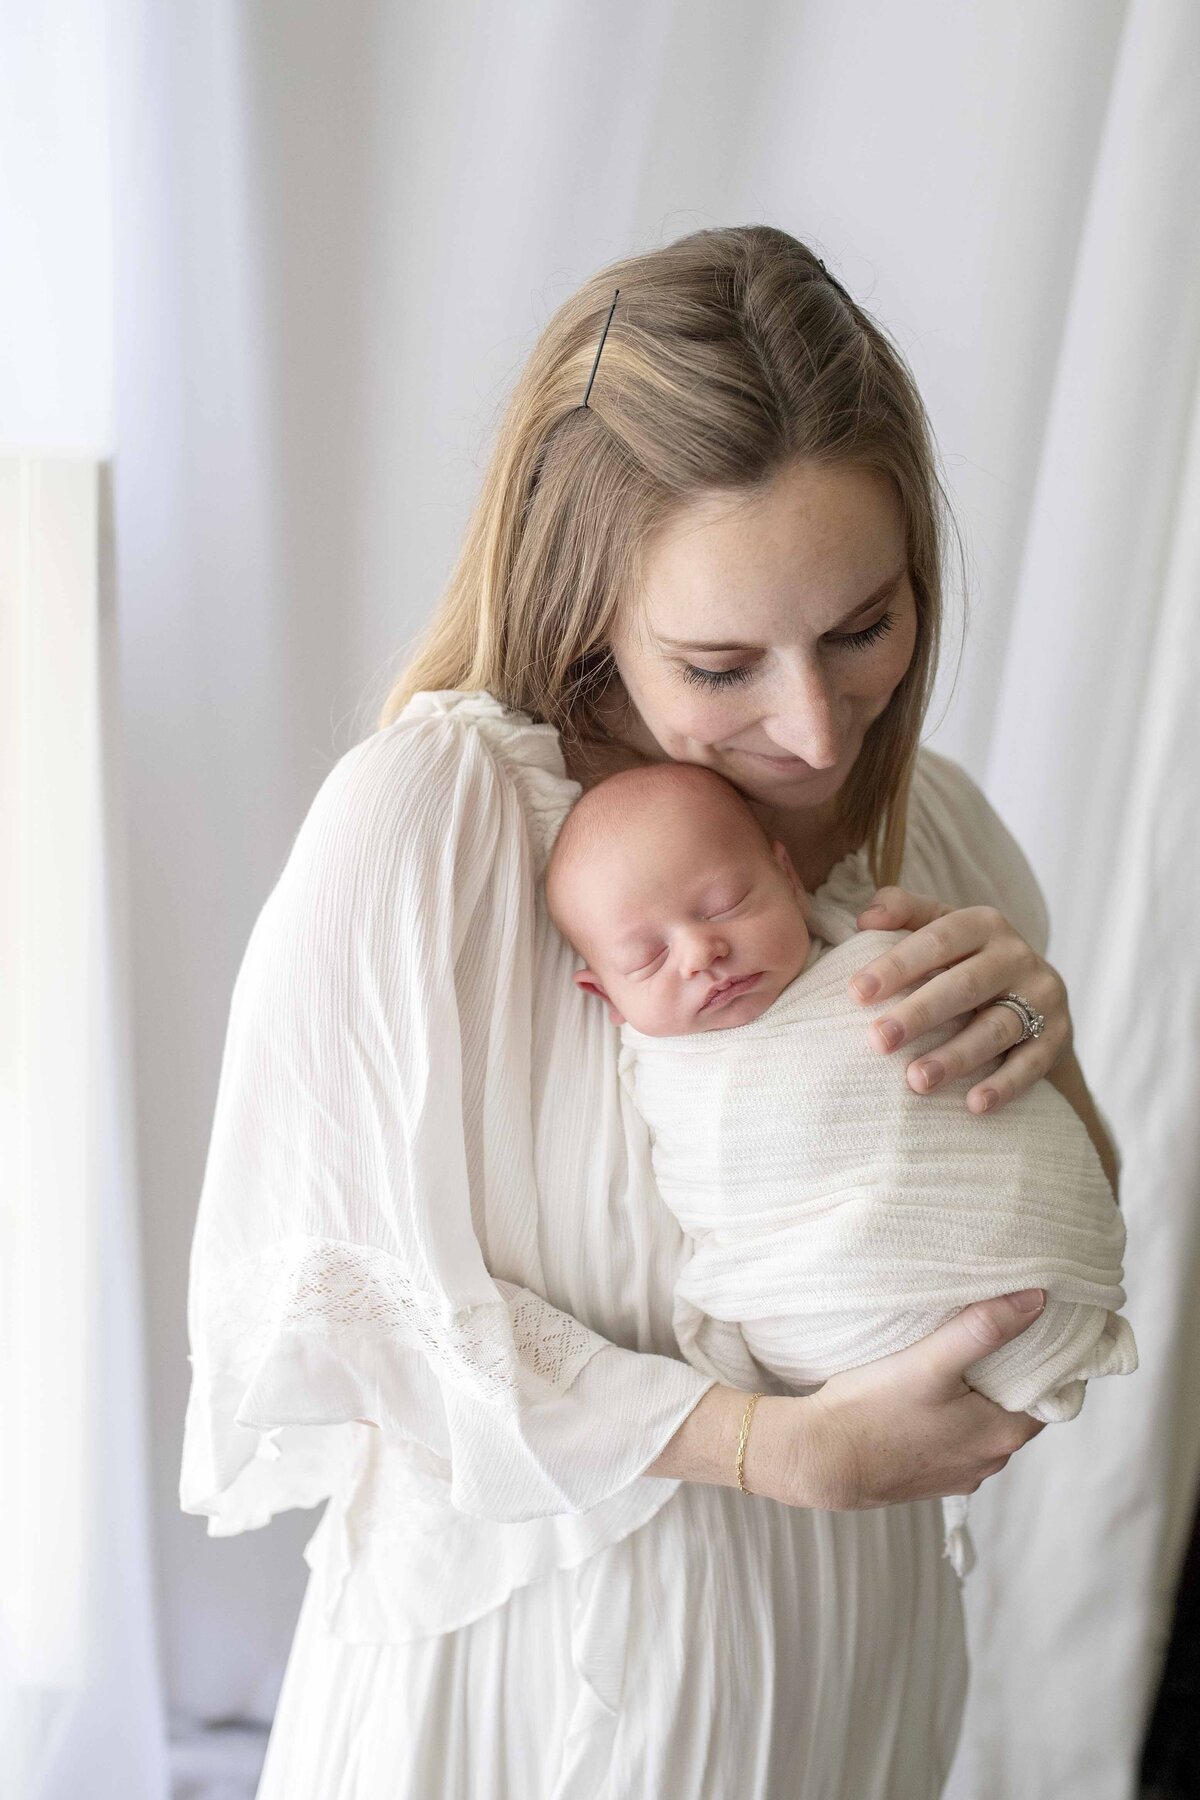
(723,987)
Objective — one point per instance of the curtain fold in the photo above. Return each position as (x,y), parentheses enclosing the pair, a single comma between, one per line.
(1094,764)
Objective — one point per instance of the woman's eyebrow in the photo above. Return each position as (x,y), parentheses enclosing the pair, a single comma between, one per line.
(872,599)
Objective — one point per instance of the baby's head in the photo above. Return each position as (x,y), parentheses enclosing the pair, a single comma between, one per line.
(671,891)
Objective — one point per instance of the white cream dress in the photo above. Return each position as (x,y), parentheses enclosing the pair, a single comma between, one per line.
(429,1204)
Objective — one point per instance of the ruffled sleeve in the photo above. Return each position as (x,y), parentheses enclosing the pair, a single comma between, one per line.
(366,1244)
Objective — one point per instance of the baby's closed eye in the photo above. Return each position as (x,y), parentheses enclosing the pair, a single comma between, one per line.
(646,968)
(731,907)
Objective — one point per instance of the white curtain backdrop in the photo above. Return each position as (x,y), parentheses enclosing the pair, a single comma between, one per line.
(337,231)
(81,1708)
(1101,676)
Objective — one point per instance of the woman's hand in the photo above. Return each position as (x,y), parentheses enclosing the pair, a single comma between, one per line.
(972,954)
(905,1427)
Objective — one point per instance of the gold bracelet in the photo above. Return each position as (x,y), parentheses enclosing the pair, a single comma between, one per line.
(741,1455)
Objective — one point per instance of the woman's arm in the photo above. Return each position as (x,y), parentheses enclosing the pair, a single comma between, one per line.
(904,1427)
(339,1271)
(1067,1077)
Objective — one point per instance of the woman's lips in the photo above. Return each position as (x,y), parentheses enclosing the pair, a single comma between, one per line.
(731,992)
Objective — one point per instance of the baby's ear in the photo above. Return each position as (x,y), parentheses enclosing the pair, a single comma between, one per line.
(789,868)
(590,984)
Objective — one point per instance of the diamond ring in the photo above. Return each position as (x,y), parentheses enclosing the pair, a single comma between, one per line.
(1032,1023)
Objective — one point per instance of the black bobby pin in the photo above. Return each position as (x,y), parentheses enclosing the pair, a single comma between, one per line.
(600,346)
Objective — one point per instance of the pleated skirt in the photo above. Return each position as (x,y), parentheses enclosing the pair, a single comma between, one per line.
(730,1649)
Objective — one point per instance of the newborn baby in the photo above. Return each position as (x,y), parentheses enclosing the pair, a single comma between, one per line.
(835,1216)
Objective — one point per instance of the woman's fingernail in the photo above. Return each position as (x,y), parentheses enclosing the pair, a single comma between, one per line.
(987,1099)
(1028,1300)
(931,1073)
(890,1032)
(868,910)
(865,985)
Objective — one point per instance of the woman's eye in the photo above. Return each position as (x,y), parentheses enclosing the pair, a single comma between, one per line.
(851,640)
(858,640)
(714,677)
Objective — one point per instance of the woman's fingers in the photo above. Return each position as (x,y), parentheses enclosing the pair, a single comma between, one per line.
(964,988)
(995,1031)
(945,940)
(897,909)
(952,967)
(991,1033)
(909,1425)
(975,1331)
(1019,1070)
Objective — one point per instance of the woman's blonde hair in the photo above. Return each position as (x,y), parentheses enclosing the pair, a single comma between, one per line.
(730,352)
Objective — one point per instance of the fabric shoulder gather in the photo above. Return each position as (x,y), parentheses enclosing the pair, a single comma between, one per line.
(960,850)
(526,753)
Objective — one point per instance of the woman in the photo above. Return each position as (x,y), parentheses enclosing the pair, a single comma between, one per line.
(431,1278)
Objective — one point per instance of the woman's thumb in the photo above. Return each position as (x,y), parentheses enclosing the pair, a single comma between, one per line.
(983,1326)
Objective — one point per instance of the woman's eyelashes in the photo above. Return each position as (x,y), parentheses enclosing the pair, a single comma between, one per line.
(858,640)
(714,677)
(850,640)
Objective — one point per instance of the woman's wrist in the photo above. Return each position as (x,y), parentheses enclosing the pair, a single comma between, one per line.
(705,1446)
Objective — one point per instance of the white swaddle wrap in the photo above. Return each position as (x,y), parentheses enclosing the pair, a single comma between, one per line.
(837,1216)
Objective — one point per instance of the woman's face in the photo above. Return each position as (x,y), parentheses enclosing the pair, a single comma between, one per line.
(775,628)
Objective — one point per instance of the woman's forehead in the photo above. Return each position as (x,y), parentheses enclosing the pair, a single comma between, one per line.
(805,553)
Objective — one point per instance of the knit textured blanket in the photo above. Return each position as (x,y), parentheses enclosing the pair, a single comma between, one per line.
(836,1216)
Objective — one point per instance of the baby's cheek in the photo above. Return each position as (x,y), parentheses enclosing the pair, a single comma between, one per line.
(789,935)
(794,947)
(637,1004)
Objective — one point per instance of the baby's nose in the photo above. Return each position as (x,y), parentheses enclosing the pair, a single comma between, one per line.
(699,950)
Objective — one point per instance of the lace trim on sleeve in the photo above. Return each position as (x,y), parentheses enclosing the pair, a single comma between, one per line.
(510,1353)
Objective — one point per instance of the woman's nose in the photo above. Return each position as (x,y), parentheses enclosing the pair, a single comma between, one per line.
(699,949)
(806,726)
